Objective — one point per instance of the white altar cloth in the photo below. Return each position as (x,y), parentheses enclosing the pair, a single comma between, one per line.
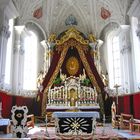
(76,114)
(71,107)
(4,122)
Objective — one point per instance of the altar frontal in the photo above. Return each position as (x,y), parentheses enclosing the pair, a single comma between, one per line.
(75,123)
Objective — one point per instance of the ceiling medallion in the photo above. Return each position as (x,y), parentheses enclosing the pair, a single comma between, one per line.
(72,65)
(71,20)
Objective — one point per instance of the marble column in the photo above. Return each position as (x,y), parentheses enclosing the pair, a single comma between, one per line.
(18,60)
(4,35)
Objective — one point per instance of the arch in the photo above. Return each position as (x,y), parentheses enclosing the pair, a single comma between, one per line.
(30,24)
(111,27)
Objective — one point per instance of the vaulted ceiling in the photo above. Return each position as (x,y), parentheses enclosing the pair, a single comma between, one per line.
(91,16)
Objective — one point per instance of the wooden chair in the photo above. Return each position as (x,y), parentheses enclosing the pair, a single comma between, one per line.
(135,125)
(30,120)
(125,120)
(116,121)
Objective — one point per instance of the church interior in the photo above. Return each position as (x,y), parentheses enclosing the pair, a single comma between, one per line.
(69,69)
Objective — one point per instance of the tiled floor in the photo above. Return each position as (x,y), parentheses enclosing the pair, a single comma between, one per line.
(107,131)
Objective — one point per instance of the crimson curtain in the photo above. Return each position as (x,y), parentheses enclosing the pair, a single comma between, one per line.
(136,105)
(6,104)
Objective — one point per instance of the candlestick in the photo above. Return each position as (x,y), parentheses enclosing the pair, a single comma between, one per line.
(103,130)
(47,134)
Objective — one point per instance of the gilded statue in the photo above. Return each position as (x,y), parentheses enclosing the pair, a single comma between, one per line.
(40,78)
(104,79)
(72,97)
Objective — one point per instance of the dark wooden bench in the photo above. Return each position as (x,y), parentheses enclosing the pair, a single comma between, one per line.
(125,120)
(135,125)
(30,120)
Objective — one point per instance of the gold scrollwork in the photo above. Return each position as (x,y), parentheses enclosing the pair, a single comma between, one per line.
(72,33)
(52,38)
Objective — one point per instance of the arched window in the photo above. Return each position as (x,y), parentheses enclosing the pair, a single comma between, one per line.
(30,62)
(114,61)
(136,53)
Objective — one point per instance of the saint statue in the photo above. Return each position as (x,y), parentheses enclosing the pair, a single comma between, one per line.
(72,97)
(104,79)
(40,78)
(113,112)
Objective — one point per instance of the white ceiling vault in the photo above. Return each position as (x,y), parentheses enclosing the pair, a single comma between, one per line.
(92,16)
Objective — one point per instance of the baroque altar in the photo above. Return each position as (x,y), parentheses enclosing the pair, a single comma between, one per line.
(72,79)
(72,93)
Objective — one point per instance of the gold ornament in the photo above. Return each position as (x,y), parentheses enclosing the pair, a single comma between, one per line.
(72,65)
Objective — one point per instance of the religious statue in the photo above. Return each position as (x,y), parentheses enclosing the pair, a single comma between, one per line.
(72,97)
(113,112)
(83,76)
(104,79)
(62,76)
(40,78)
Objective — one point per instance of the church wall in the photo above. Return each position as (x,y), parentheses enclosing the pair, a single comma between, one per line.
(129,104)
(9,100)
(40,58)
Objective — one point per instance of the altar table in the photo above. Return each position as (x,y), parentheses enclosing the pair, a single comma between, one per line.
(75,123)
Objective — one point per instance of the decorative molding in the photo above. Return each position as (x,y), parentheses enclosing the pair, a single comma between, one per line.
(72,33)
(21,50)
(125,49)
(138,30)
(4,31)
(27,93)
(71,20)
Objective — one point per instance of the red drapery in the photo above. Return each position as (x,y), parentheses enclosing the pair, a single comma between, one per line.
(54,62)
(6,104)
(127,104)
(136,105)
(120,107)
(95,72)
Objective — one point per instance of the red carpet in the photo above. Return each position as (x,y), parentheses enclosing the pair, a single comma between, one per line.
(40,133)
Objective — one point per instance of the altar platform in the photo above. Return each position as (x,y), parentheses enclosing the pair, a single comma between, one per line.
(39,133)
